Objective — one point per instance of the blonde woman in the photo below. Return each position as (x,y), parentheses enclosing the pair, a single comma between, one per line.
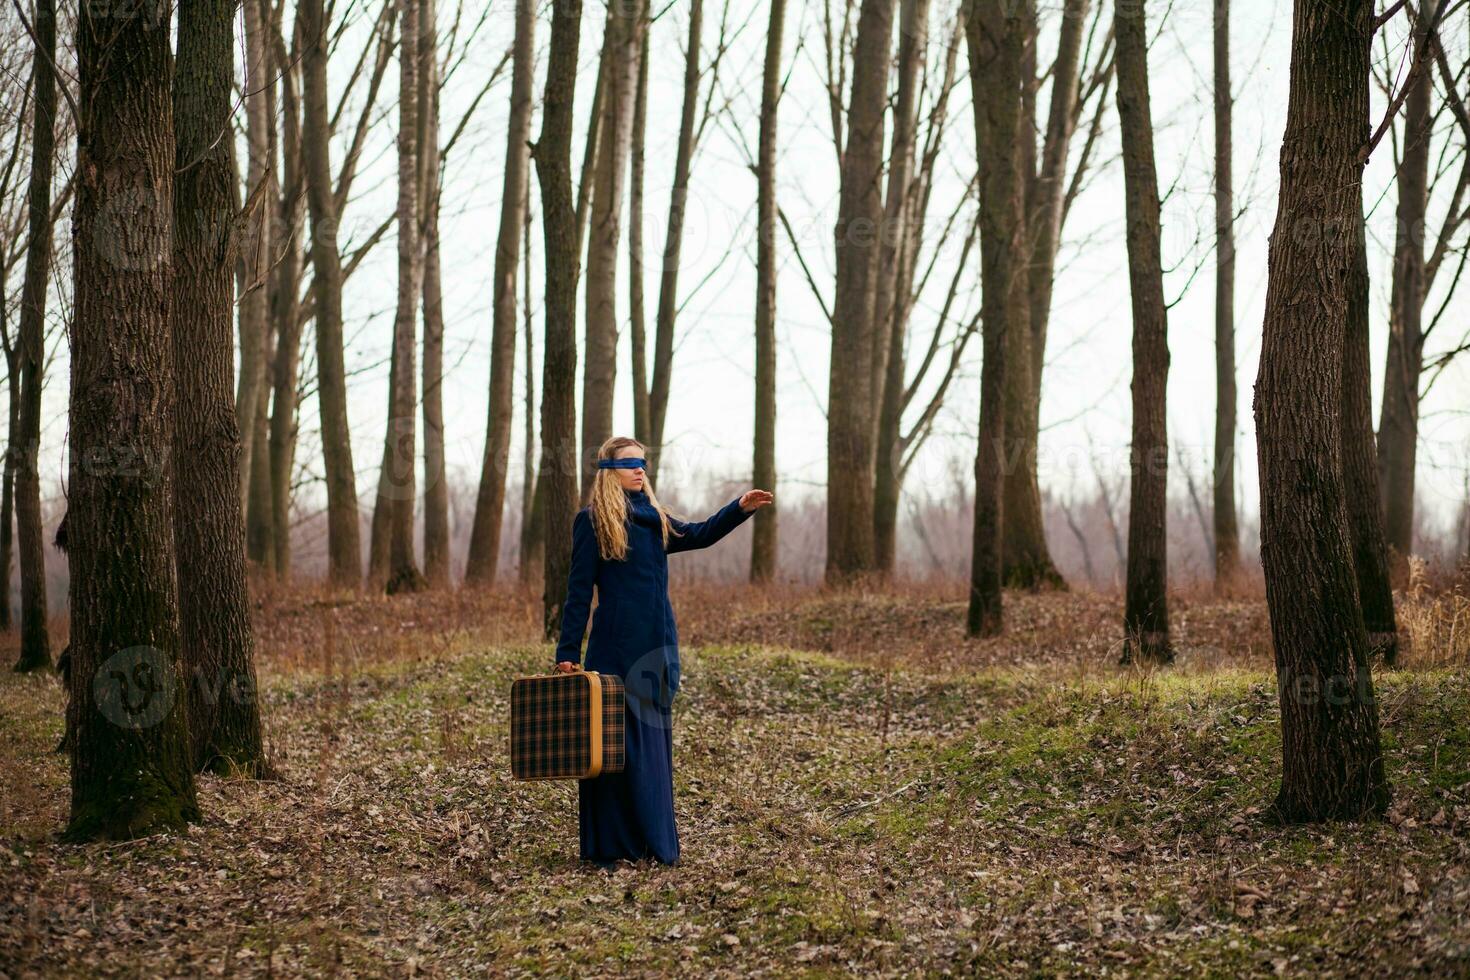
(620,544)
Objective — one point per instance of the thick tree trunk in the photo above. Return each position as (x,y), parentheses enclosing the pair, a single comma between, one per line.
(216,642)
(397,491)
(1146,616)
(130,759)
(850,402)
(764,539)
(1226,529)
(344,543)
(1332,762)
(624,38)
(436,485)
(1398,422)
(1360,458)
(668,287)
(993,37)
(913,45)
(35,640)
(484,555)
(552,153)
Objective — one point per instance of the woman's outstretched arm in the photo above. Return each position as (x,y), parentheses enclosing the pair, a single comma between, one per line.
(702,534)
(579,589)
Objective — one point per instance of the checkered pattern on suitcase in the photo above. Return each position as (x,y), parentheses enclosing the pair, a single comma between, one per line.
(551,726)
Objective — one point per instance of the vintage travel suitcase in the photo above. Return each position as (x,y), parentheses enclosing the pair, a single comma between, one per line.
(566,726)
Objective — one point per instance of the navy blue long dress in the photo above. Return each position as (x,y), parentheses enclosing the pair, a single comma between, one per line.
(630,814)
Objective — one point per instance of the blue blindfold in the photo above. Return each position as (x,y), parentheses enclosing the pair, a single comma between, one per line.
(630,463)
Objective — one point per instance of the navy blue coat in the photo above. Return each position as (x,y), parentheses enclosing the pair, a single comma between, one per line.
(633,630)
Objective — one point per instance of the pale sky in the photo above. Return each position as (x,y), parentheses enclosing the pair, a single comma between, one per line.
(1085,408)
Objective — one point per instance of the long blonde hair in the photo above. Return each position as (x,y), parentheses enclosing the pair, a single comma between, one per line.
(610,504)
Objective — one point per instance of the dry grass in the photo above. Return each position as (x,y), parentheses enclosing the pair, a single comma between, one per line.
(859,788)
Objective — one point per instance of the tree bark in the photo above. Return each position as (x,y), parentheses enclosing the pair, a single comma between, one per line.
(850,405)
(668,287)
(35,640)
(624,38)
(1226,529)
(484,555)
(532,543)
(344,543)
(259,526)
(1332,762)
(993,37)
(552,153)
(912,47)
(217,644)
(130,760)
(436,486)
(259,246)
(397,490)
(1146,616)
(637,322)
(1360,458)
(1398,421)
(764,552)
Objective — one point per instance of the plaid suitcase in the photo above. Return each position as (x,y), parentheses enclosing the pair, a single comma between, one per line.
(566,726)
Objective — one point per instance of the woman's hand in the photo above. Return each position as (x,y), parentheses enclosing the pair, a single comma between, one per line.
(565,667)
(753,500)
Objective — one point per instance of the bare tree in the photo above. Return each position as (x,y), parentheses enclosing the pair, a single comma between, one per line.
(436,484)
(343,534)
(993,33)
(1146,616)
(1332,759)
(35,641)
(259,245)
(130,761)
(552,153)
(1226,528)
(217,643)
(624,40)
(484,554)
(763,544)
(850,435)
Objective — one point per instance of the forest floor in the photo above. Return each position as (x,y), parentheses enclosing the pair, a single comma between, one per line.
(859,789)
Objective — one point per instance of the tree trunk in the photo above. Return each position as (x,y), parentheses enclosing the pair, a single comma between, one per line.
(668,287)
(1146,616)
(7,487)
(624,37)
(913,44)
(286,314)
(259,526)
(130,760)
(259,247)
(764,539)
(216,641)
(484,555)
(1027,562)
(552,153)
(636,319)
(532,543)
(1398,422)
(35,640)
(1360,458)
(1227,531)
(993,36)
(850,406)
(397,491)
(436,486)
(344,544)
(1332,762)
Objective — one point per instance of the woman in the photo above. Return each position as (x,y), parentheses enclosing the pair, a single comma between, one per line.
(620,543)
